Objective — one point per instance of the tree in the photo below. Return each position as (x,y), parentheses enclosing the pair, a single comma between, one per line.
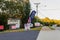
(21,7)
(15,9)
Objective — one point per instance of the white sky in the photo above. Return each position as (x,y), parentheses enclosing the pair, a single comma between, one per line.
(47,8)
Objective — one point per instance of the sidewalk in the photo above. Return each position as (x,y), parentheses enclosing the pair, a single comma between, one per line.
(49,35)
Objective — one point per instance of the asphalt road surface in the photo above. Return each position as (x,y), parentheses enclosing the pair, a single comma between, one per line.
(27,35)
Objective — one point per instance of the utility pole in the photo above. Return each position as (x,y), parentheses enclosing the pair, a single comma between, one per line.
(37,23)
(37,4)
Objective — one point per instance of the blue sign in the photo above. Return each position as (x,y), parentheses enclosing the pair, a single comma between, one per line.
(32,14)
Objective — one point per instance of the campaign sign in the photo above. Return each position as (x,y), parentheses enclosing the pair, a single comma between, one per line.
(27,26)
(13,27)
(1,27)
(31,25)
(37,24)
(14,21)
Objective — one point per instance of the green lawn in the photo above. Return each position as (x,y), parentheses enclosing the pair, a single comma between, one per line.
(51,28)
(21,30)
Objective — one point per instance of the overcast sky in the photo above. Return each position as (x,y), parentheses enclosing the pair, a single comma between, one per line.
(47,8)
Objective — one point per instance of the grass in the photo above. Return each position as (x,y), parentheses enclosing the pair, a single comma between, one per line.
(38,28)
(21,30)
(51,28)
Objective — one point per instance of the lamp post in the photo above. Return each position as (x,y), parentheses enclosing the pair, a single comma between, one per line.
(37,24)
(37,4)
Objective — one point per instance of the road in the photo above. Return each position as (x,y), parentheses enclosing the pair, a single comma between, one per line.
(27,35)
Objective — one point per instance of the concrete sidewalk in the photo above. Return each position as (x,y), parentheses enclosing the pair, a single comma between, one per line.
(49,35)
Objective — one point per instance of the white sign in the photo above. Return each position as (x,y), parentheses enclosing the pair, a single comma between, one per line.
(37,24)
(27,26)
(31,25)
(14,21)
(13,27)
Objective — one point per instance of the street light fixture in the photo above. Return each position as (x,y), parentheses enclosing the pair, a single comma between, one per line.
(37,4)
